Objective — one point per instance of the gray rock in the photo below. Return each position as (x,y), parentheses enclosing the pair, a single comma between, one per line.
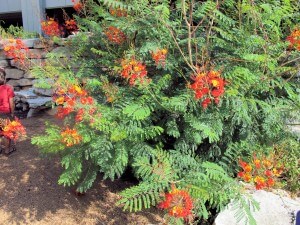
(30,42)
(38,102)
(27,94)
(28,63)
(14,73)
(28,74)
(36,54)
(2,54)
(20,82)
(61,52)
(3,63)
(275,209)
(43,91)
(43,43)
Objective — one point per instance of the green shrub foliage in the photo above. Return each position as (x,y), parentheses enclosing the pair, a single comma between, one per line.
(155,125)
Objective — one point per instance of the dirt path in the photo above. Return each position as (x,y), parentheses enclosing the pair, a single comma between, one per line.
(29,193)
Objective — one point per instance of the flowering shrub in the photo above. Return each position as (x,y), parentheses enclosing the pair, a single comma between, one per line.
(16,49)
(13,130)
(51,27)
(220,86)
(261,171)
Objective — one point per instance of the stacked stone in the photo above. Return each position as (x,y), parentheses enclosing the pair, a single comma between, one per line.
(15,75)
(27,96)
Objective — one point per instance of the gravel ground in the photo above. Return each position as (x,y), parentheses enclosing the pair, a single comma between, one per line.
(29,193)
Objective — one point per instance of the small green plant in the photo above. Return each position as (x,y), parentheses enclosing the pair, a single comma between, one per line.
(16,32)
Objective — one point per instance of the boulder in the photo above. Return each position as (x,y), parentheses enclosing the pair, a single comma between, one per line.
(43,91)
(27,94)
(61,51)
(14,73)
(43,43)
(21,82)
(36,54)
(28,63)
(30,42)
(2,54)
(275,209)
(3,63)
(38,102)
(28,74)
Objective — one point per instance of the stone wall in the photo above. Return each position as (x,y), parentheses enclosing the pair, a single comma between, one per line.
(16,75)
(22,79)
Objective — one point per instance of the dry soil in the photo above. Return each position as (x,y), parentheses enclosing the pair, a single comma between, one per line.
(29,193)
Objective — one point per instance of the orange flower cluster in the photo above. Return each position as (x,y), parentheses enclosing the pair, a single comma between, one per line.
(13,130)
(178,203)
(73,100)
(294,39)
(16,49)
(70,137)
(71,25)
(51,27)
(115,35)
(77,5)
(209,86)
(134,71)
(262,172)
(118,12)
(159,56)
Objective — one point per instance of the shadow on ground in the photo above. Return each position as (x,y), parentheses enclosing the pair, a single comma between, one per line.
(29,193)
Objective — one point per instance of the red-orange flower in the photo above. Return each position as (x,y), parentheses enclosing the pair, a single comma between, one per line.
(70,137)
(16,49)
(159,56)
(118,12)
(134,71)
(51,27)
(257,163)
(77,5)
(260,182)
(71,25)
(264,170)
(13,130)
(294,39)
(74,99)
(178,203)
(115,35)
(208,85)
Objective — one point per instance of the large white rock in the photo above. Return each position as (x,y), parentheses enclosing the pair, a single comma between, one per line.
(275,209)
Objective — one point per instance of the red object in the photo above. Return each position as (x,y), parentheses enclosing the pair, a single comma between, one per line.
(208,86)
(115,35)
(134,71)
(178,203)
(6,92)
